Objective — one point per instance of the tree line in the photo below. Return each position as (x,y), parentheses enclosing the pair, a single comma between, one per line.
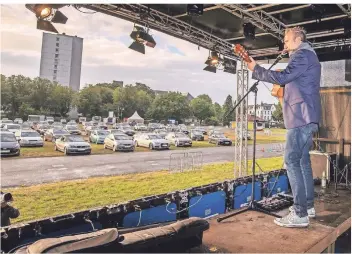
(22,96)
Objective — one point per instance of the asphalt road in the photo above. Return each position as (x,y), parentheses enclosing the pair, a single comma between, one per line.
(32,171)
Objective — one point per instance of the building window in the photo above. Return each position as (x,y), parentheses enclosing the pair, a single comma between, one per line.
(57,44)
(56,55)
(57,39)
(55,66)
(56,50)
(55,71)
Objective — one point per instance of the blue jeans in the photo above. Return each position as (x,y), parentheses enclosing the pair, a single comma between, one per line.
(299,170)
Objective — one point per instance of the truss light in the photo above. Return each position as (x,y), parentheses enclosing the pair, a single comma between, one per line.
(210,68)
(46,15)
(230,65)
(195,9)
(249,31)
(141,38)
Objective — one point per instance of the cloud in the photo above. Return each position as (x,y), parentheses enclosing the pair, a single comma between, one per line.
(174,64)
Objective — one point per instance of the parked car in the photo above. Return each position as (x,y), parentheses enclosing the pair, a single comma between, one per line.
(72,122)
(102,126)
(183,129)
(63,121)
(197,135)
(98,136)
(72,129)
(162,133)
(201,129)
(152,141)
(215,132)
(4,122)
(179,139)
(127,130)
(18,120)
(42,128)
(116,131)
(57,125)
(12,127)
(26,126)
(220,139)
(50,119)
(29,138)
(140,127)
(72,144)
(9,144)
(246,135)
(90,129)
(54,134)
(119,142)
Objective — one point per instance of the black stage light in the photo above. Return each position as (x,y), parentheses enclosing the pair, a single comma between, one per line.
(47,14)
(195,9)
(141,36)
(210,68)
(230,65)
(136,46)
(214,58)
(249,31)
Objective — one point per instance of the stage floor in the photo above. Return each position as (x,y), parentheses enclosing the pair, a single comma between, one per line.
(253,232)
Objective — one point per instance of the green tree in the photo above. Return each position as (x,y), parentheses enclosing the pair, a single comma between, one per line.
(277,114)
(205,97)
(89,101)
(170,105)
(202,108)
(61,100)
(228,105)
(218,111)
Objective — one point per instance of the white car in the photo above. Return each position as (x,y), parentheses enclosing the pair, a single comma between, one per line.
(152,141)
(178,139)
(29,138)
(119,142)
(12,127)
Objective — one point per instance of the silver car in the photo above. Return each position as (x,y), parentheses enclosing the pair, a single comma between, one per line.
(179,139)
(72,144)
(152,141)
(12,127)
(29,138)
(119,142)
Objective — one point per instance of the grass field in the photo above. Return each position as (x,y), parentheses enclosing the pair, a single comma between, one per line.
(52,199)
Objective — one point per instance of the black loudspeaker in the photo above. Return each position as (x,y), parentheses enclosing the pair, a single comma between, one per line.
(195,9)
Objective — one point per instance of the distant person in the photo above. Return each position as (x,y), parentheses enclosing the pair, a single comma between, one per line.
(301,110)
(7,211)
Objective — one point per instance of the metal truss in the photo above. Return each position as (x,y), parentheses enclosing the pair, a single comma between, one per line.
(348,11)
(259,18)
(145,16)
(241,146)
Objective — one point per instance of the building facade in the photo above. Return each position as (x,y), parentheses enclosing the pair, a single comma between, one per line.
(61,59)
(264,111)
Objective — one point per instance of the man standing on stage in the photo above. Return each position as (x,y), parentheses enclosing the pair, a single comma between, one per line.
(301,110)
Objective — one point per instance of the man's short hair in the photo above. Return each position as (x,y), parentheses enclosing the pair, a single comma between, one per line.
(298,32)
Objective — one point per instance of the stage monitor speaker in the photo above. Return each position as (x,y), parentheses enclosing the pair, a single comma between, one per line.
(323,162)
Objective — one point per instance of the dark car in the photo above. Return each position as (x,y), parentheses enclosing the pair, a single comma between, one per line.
(197,135)
(220,139)
(9,144)
(73,129)
(127,130)
(203,130)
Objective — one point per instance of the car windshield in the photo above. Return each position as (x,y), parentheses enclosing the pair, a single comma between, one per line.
(180,135)
(7,138)
(116,131)
(122,137)
(154,137)
(72,127)
(57,124)
(30,134)
(197,133)
(13,127)
(103,133)
(60,132)
(74,139)
(44,126)
(221,136)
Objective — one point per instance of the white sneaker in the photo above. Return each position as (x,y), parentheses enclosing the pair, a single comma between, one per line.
(311,211)
(292,221)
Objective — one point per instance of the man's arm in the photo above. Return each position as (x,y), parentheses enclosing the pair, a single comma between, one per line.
(297,66)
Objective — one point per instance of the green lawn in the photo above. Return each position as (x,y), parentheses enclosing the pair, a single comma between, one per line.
(53,199)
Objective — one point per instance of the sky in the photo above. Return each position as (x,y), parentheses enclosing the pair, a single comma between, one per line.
(173,65)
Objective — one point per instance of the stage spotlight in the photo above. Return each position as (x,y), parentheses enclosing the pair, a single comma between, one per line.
(47,13)
(230,65)
(195,9)
(141,37)
(210,69)
(249,31)
(214,58)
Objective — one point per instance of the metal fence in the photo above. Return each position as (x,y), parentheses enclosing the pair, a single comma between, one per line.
(186,161)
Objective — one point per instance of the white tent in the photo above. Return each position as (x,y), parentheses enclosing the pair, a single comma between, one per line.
(136,118)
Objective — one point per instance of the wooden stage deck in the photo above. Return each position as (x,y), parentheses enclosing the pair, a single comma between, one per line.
(253,232)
